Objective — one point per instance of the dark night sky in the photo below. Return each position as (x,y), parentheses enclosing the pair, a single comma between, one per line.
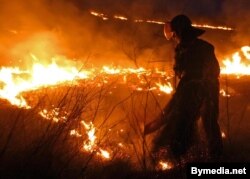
(71,19)
(206,8)
(217,11)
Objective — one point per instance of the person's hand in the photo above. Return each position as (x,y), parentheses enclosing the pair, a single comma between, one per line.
(152,126)
(147,129)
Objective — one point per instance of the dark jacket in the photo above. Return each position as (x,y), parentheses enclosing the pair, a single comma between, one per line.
(198,70)
(196,60)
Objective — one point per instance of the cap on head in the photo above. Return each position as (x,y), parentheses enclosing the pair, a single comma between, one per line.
(182,26)
(180,22)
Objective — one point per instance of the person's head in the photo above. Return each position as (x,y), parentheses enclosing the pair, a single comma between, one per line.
(180,28)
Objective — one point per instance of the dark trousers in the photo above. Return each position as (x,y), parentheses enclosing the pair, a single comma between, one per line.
(210,114)
(181,114)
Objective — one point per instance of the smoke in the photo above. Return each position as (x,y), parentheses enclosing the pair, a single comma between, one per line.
(47,28)
(30,27)
(218,13)
(237,13)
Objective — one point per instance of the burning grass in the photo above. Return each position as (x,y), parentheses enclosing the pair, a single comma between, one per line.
(81,122)
(79,117)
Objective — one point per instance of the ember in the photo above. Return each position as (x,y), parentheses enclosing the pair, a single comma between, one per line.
(163,165)
(223,135)
(223,93)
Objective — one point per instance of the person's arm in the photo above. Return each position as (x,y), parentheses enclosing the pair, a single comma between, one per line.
(154,125)
(211,64)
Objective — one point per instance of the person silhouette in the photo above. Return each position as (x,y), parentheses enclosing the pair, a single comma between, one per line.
(196,95)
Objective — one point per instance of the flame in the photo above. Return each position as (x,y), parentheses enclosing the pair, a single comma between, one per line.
(120,17)
(163,165)
(105,154)
(39,76)
(235,65)
(246,51)
(75,133)
(139,20)
(223,135)
(111,71)
(120,144)
(223,93)
(213,27)
(123,18)
(97,14)
(166,88)
(9,90)
(15,81)
(90,145)
(53,114)
(127,71)
(154,22)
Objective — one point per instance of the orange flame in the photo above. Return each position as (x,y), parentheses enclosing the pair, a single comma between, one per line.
(39,76)
(163,165)
(223,135)
(120,18)
(54,114)
(223,93)
(235,65)
(213,27)
(91,144)
(166,88)
(123,18)
(105,154)
(75,133)
(14,83)
(97,14)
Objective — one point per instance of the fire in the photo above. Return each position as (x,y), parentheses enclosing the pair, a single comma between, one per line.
(75,133)
(111,71)
(9,90)
(104,154)
(235,65)
(213,27)
(223,93)
(223,135)
(97,14)
(120,17)
(14,82)
(90,145)
(154,22)
(54,114)
(123,18)
(139,20)
(166,88)
(126,71)
(163,165)
(246,51)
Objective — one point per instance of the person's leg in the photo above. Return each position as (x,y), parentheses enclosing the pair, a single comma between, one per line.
(188,111)
(210,121)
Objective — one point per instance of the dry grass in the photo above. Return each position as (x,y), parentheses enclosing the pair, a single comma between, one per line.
(33,147)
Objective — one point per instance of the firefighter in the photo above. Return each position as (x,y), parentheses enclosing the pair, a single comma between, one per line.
(196,95)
